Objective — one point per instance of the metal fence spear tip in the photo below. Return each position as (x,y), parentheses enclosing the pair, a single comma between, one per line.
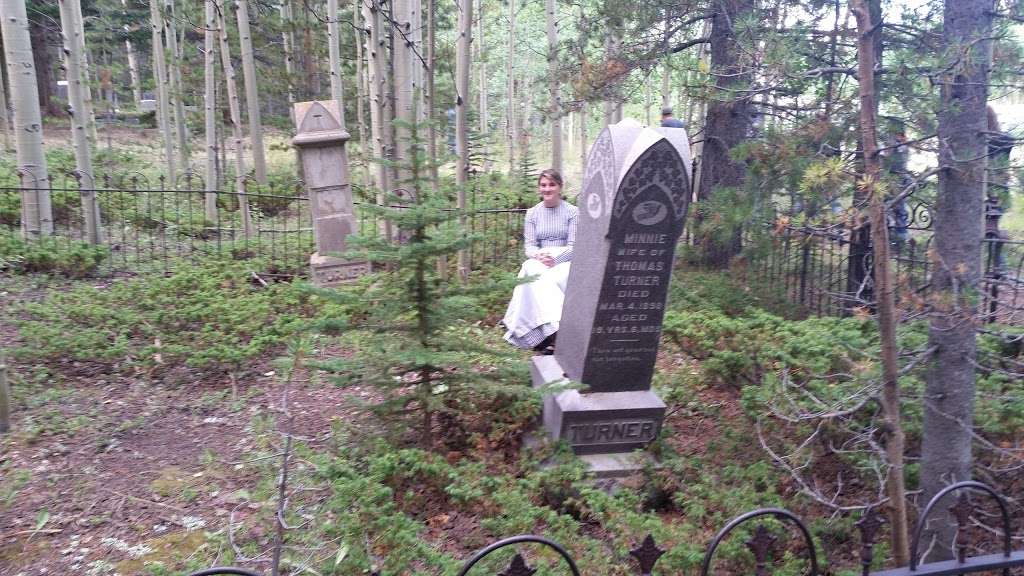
(518,567)
(647,554)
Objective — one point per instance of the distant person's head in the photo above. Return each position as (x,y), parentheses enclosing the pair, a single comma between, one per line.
(549,186)
(666,112)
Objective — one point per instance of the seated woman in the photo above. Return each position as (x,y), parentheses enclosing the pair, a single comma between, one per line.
(550,233)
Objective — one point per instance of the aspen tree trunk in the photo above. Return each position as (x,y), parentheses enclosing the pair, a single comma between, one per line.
(554,107)
(235,109)
(160,82)
(79,40)
(481,66)
(583,136)
(510,92)
(947,434)
(133,65)
(360,91)
(252,100)
(288,42)
(79,124)
(334,58)
(402,77)
(462,72)
(418,72)
(375,53)
(890,402)
(5,110)
(210,107)
(36,211)
(309,64)
(613,100)
(177,93)
(430,98)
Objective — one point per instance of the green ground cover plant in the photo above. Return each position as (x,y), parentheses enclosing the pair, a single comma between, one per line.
(50,255)
(211,317)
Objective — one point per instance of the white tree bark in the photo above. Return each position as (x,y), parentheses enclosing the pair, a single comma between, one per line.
(79,39)
(235,109)
(79,123)
(554,106)
(133,65)
(583,137)
(402,66)
(462,97)
(510,92)
(375,53)
(364,154)
(160,81)
(36,212)
(430,100)
(252,100)
(334,55)
(176,93)
(288,42)
(482,111)
(5,110)
(210,107)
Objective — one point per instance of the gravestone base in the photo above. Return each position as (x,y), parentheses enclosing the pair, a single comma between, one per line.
(327,271)
(597,423)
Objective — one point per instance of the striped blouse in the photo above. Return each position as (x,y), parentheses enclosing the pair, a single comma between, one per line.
(551,227)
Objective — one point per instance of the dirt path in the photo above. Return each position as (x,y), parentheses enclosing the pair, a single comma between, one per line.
(107,473)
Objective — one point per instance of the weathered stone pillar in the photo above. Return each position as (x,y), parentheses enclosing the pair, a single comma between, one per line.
(320,141)
(636,192)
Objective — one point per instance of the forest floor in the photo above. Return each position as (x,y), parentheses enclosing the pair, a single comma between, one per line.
(126,474)
(104,473)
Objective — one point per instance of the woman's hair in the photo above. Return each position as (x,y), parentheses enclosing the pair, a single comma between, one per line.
(551,174)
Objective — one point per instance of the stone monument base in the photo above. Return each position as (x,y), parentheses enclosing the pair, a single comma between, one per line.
(597,423)
(326,271)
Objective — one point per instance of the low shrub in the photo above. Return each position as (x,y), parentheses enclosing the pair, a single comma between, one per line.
(50,255)
(209,316)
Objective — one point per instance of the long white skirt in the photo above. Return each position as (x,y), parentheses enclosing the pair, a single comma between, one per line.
(536,307)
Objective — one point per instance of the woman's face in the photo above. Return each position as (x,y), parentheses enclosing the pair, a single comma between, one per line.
(550,191)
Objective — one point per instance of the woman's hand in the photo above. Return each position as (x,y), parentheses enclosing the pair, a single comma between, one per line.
(545,259)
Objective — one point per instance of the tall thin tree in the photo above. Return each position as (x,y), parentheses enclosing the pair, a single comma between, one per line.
(554,104)
(177,92)
(210,107)
(36,210)
(79,123)
(79,38)
(462,98)
(334,57)
(160,80)
(235,110)
(252,99)
(893,437)
(511,129)
(947,433)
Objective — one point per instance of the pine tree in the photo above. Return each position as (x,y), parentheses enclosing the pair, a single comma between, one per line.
(416,342)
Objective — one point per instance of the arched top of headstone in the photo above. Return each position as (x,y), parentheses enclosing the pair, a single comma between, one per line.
(318,123)
(615,152)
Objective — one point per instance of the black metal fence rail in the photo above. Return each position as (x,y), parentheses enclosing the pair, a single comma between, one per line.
(149,226)
(811,267)
(768,544)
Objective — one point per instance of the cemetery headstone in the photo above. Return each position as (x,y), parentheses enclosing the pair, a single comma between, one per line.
(320,141)
(636,192)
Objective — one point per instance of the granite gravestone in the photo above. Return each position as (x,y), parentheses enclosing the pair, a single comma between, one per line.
(636,191)
(320,139)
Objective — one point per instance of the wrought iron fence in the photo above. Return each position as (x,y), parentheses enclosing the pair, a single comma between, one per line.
(811,268)
(148,225)
(768,545)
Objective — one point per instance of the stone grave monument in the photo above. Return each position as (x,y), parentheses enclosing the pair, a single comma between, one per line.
(320,140)
(636,191)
